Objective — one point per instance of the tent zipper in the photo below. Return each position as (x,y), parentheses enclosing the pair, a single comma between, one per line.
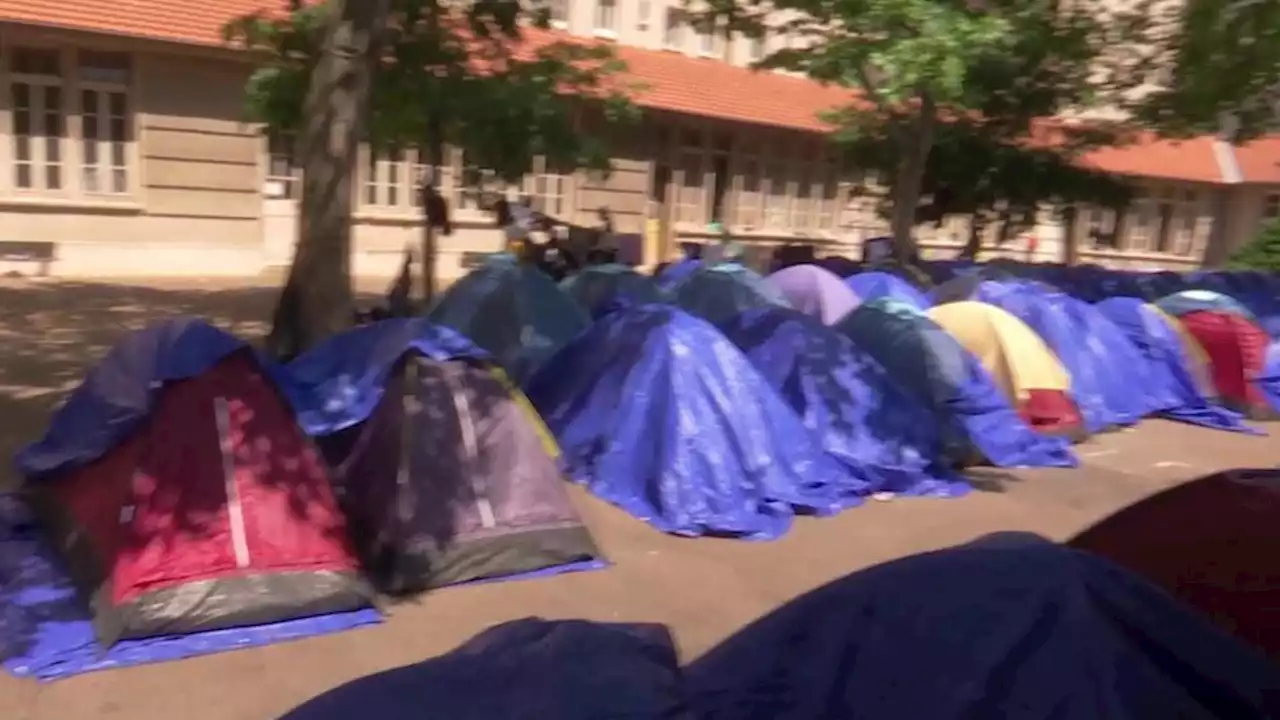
(235,510)
(470,447)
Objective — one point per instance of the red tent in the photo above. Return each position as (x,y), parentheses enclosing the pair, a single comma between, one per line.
(1213,542)
(215,512)
(1237,350)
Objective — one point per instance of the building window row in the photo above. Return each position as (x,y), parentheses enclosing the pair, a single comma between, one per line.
(1166,221)
(71,123)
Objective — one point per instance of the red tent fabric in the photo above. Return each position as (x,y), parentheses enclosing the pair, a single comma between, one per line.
(1052,412)
(216,513)
(1237,350)
(1213,542)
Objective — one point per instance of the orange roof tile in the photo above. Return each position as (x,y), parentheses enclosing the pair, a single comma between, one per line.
(197,22)
(1260,160)
(1147,156)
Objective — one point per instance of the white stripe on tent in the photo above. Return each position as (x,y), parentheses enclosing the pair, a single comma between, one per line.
(235,511)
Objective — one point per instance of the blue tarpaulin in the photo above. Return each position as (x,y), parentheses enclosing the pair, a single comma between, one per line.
(848,400)
(1167,371)
(930,364)
(116,394)
(718,292)
(512,310)
(660,414)
(676,272)
(1189,301)
(1011,626)
(1106,382)
(338,383)
(869,286)
(596,287)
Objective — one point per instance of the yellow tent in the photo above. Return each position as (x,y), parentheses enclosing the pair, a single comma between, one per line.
(1017,359)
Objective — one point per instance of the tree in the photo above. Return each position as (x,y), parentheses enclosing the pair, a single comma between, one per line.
(976,76)
(482,75)
(1261,253)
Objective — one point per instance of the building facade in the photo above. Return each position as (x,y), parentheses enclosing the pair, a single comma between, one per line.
(124,151)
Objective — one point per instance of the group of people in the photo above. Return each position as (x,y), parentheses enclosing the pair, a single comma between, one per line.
(558,249)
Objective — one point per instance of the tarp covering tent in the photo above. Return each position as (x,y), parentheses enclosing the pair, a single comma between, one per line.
(814,291)
(1019,362)
(660,414)
(870,286)
(512,310)
(183,496)
(530,669)
(447,474)
(1105,383)
(847,399)
(596,286)
(718,292)
(1213,542)
(673,274)
(1189,301)
(1010,626)
(929,363)
(1175,367)
(1244,361)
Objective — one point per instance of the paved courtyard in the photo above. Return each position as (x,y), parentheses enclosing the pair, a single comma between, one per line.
(704,589)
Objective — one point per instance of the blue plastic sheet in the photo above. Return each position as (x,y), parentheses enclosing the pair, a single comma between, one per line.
(1190,301)
(1012,626)
(660,414)
(1166,372)
(849,401)
(875,285)
(676,272)
(598,287)
(719,292)
(930,364)
(116,394)
(46,632)
(338,383)
(531,668)
(1105,380)
(512,310)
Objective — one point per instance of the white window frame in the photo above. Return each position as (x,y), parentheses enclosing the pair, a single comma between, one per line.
(777,206)
(644,12)
(757,49)
(549,192)
(387,183)
(283,176)
(1271,207)
(604,21)
(37,138)
(708,42)
(112,175)
(673,29)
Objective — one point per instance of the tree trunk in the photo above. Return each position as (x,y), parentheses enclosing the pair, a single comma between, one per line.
(1070,252)
(974,244)
(317,299)
(913,154)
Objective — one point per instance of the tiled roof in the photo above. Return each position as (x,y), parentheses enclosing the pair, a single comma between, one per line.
(672,81)
(1260,160)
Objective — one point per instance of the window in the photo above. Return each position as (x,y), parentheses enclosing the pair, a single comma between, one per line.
(386,184)
(104,117)
(750,198)
(606,17)
(707,42)
(283,172)
(827,214)
(775,203)
(1142,226)
(1099,227)
(801,205)
(643,12)
(1271,207)
(547,189)
(755,49)
(673,31)
(558,11)
(689,204)
(39,129)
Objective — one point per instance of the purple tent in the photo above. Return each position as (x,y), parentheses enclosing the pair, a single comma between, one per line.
(815,291)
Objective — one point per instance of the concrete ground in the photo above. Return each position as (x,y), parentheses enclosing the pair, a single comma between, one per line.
(704,589)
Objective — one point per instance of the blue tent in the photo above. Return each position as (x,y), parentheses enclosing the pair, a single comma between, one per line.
(718,292)
(1011,626)
(339,382)
(874,285)
(1189,301)
(661,415)
(848,400)
(512,310)
(598,286)
(116,395)
(1106,381)
(928,362)
(675,273)
(1167,372)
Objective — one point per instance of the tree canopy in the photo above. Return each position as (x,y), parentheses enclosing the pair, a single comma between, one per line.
(1261,253)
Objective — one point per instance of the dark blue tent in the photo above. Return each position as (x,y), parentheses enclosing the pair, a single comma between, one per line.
(928,363)
(597,286)
(514,311)
(339,382)
(847,399)
(1189,301)
(675,273)
(658,413)
(1167,371)
(1104,365)
(874,285)
(718,292)
(117,394)
(1012,626)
